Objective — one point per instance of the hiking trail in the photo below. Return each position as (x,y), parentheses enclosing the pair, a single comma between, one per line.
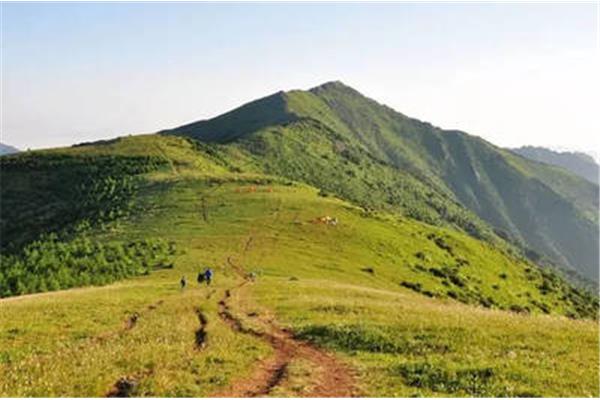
(335,379)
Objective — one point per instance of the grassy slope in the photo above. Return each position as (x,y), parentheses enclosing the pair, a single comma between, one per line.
(408,346)
(308,151)
(54,188)
(312,277)
(512,194)
(489,181)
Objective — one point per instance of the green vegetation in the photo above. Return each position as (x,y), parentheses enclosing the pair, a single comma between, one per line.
(51,192)
(339,167)
(411,306)
(56,200)
(406,345)
(50,264)
(336,139)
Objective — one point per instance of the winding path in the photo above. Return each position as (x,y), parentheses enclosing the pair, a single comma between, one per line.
(335,378)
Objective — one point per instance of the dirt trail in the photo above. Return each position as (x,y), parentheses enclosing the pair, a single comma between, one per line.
(128,324)
(201,332)
(334,380)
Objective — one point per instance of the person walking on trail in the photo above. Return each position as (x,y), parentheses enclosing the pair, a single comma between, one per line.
(183,282)
(201,277)
(208,274)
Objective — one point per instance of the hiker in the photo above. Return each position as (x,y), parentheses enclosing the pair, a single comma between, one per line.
(183,282)
(251,276)
(201,277)
(208,276)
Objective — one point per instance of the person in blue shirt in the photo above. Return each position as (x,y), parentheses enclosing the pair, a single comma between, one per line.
(208,274)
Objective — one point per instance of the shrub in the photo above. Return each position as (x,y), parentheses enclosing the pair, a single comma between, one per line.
(437,272)
(350,337)
(376,339)
(368,270)
(461,261)
(519,309)
(84,191)
(410,285)
(457,280)
(472,381)
(441,243)
(487,302)
(542,306)
(51,264)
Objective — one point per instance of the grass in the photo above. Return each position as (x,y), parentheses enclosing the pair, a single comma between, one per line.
(76,342)
(404,344)
(340,286)
(336,139)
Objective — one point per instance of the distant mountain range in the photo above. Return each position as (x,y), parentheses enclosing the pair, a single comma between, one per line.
(578,163)
(335,138)
(6,149)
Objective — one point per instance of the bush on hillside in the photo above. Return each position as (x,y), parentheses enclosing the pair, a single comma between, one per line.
(53,192)
(471,381)
(376,339)
(50,264)
(412,285)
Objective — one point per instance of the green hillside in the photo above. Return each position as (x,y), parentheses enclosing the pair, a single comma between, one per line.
(338,140)
(374,304)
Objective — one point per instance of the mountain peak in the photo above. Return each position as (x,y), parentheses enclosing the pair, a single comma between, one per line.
(333,86)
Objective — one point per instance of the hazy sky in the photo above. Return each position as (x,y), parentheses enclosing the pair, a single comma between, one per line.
(512,73)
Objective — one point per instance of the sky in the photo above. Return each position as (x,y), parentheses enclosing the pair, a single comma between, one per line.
(514,74)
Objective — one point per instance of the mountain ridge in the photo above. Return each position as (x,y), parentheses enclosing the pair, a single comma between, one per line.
(475,173)
(7,149)
(578,163)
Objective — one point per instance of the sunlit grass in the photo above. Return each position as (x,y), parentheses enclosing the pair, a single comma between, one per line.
(340,286)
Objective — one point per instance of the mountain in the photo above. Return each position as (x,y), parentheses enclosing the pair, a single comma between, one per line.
(578,163)
(336,139)
(312,295)
(6,149)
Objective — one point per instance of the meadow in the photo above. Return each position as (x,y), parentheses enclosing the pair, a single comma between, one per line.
(405,308)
